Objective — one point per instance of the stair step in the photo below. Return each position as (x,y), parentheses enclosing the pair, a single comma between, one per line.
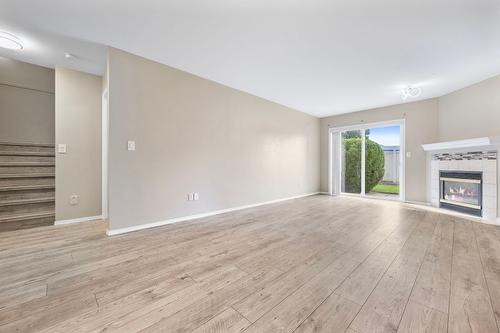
(27,175)
(27,164)
(26,201)
(27,153)
(25,187)
(28,194)
(24,144)
(23,217)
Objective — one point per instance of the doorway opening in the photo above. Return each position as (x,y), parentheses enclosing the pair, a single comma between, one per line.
(368,160)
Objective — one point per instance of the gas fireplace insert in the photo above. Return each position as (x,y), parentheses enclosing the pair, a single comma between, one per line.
(461,191)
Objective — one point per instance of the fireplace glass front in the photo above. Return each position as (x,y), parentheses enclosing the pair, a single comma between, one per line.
(461,191)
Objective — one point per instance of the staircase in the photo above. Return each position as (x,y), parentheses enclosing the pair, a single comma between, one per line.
(27,185)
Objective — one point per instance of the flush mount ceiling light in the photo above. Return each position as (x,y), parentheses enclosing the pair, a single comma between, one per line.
(410,92)
(9,41)
(68,55)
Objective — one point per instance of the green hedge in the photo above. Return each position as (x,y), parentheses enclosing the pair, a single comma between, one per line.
(374,165)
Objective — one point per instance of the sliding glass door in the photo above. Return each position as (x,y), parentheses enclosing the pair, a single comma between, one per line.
(367,160)
(383,161)
(351,162)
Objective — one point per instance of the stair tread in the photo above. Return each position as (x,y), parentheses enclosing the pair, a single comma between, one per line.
(26,216)
(26,187)
(27,175)
(7,164)
(24,144)
(26,201)
(27,153)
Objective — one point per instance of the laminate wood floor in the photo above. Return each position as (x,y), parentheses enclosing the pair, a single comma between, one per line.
(316,264)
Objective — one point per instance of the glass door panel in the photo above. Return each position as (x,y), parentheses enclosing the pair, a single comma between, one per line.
(351,143)
(382,161)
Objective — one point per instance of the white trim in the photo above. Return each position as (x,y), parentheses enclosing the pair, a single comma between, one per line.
(198,216)
(422,203)
(363,162)
(367,125)
(469,143)
(453,213)
(402,161)
(334,145)
(104,156)
(330,163)
(79,219)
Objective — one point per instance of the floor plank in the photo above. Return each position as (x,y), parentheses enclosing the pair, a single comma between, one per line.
(333,315)
(419,318)
(384,308)
(229,321)
(432,287)
(470,304)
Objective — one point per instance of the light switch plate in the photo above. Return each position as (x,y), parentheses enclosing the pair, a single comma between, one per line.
(408,154)
(61,148)
(131,145)
(196,195)
(73,199)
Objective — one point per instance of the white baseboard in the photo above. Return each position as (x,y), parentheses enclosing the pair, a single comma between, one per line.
(198,216)
(422,203)
(78,220)
(430,207)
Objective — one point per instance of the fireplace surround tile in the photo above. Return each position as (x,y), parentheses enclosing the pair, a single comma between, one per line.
(489,202)
(489,213)
(483,161)
(490,166)
(490,177)
(489,190)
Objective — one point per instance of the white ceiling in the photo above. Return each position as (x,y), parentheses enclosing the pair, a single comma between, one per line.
(48,49)
(321,57)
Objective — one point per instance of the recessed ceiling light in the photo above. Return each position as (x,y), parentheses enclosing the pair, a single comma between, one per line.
(9,41)
(410,92)
(69,55)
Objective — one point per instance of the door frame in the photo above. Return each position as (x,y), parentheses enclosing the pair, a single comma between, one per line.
(105,153)
(335,158)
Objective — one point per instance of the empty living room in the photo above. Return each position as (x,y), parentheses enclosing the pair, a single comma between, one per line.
(249,166)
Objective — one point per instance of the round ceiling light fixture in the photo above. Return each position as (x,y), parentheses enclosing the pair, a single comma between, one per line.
(9,41)
(410,92)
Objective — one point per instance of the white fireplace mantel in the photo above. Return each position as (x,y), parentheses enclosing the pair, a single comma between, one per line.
(485,142)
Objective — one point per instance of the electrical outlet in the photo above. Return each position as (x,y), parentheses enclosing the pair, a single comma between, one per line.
(131,145)
(61,148)
(193,196)
(73,199)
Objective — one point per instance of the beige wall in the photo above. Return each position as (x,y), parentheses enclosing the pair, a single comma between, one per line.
(26,102)
(78,125)
(471,112)
(421,126)
(194,135)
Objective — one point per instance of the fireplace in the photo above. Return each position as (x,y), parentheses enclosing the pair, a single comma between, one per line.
(461,191)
